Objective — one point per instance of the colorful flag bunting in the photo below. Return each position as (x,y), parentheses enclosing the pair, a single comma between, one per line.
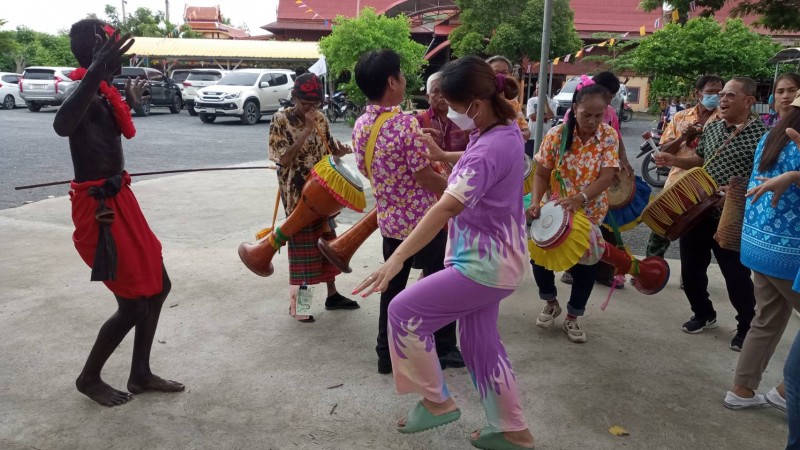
(642,31)
(602,44)
(566,58)
(589,50)
(675,16)
(611,42)
(555,61)
(579,54)
(657,23)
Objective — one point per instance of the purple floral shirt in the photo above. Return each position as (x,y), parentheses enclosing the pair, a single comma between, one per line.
(397,156)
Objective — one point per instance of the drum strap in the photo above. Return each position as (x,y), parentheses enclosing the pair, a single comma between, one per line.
(369,153)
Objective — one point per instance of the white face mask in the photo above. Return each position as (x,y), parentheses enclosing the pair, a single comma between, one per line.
(462,120)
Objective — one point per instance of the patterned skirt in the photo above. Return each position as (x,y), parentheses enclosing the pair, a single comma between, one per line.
(306,263)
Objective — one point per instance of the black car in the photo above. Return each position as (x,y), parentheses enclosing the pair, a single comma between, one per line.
(158,91)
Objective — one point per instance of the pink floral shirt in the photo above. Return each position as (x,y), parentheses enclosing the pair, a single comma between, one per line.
(401,201)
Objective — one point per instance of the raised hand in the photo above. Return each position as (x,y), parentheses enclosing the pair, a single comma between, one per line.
(379,280)
(107,53)
(435,153)
(133,91)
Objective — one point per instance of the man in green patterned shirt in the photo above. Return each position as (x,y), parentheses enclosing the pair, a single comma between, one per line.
(724,161)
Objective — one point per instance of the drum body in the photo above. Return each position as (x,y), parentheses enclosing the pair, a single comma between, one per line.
(558,238)
(628,217)
(622,191)
(340,250)
(678,208)
(729,230)
(331,186)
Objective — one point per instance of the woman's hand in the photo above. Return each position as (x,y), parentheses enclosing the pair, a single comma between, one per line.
(434,153)
(533,212)
(573,203)
(379,280)
(778,185)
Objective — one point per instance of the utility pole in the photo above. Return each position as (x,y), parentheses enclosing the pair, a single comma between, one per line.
(167,10)
(544,58)
(123,11)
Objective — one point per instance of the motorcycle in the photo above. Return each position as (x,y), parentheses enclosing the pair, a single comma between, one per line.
(627,113)
(654,176)
(339,106)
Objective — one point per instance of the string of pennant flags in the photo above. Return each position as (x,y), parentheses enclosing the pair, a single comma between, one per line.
(309,10)
(610,42)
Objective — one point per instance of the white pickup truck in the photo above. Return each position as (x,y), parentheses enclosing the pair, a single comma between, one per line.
(244,93)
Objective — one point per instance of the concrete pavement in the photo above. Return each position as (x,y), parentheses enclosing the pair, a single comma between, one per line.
(258,379)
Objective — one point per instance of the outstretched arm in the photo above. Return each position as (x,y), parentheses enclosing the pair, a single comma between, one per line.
(107,54)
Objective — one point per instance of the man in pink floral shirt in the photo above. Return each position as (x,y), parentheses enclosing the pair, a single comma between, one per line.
(405,187)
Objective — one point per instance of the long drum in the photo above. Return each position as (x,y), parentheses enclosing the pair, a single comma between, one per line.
(729,230)
(330,187)
(340,250)
(680,207)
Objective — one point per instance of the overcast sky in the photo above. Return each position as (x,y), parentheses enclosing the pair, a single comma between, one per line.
(53,15)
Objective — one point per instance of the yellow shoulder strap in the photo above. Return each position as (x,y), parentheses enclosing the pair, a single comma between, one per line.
(373,139)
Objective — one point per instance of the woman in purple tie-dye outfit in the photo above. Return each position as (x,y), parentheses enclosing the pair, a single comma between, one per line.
(486,261)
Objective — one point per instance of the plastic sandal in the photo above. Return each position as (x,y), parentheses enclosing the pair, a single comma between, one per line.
(420,419)
(494,440)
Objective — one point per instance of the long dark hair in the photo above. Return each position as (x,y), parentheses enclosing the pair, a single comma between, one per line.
(580,94)
(471,78)
(777,140)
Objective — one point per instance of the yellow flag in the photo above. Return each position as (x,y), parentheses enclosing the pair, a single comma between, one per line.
(642,32)
(611,42)
(675,16)
(579,54)
(555,61)
(602,44)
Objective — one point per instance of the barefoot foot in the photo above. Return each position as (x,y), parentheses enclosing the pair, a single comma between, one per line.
(154,383)
(101,392)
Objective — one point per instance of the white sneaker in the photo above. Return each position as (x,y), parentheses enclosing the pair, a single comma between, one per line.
(774,398)
(574,332)
(733,401)
(548,315)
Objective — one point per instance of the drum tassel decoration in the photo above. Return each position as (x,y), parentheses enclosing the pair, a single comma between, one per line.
(326,192)
(339,250)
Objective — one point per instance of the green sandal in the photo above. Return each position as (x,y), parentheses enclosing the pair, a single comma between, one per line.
(420,419)
(494,440)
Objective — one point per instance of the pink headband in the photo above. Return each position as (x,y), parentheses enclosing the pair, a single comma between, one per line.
(585,81)
(500,82)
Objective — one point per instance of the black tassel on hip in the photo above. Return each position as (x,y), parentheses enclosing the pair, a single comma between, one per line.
(105,257)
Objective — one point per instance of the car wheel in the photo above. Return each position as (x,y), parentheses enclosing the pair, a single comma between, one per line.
(251,113)
(191,110)
(207,118)
(8,102)
(144,108)
(177,105)
(34,107)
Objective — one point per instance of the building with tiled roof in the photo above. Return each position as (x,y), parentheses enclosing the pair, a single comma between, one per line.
(208,20)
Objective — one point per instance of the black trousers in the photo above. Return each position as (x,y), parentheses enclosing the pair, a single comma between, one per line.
(431,260)
(696,247)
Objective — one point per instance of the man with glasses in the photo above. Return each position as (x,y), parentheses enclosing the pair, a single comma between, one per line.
(299,137)
(729,146)
(682,135)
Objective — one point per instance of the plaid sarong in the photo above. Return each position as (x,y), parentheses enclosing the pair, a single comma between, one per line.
(306,263)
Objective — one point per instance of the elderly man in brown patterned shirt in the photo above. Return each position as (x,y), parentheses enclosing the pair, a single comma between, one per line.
(299,137)
(743,131)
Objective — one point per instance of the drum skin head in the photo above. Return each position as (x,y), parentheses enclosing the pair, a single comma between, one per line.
(346,172)
(552,223)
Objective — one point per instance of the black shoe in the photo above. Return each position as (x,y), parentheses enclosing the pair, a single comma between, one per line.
(694,325)
(384,366)
(452,360)
(738,341)
(338,301)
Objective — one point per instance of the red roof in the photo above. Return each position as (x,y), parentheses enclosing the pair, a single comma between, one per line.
(202,13)
(327,9)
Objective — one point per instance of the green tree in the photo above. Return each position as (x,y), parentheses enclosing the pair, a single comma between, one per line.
(704,46)
(675,56)
(513,28)
(351,37)
(772,14)
(25,47)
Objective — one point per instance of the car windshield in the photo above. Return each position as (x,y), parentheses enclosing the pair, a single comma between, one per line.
(179,76)
(204,76)
(239,79)
(38,74)
(569,88)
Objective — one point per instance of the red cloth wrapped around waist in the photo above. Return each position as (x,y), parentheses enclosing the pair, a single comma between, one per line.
(139,263)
